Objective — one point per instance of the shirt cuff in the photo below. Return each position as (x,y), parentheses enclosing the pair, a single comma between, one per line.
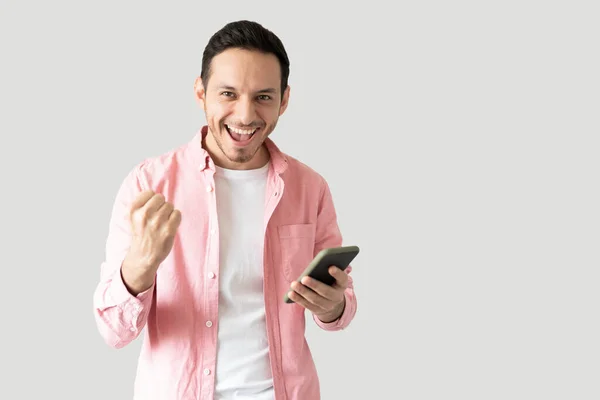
(120,295)
(344,319)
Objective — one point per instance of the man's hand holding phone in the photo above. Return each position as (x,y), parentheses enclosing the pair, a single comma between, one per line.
(326,302)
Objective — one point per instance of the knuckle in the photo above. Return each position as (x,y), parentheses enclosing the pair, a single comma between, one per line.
(154,224)
(169,232)
(146,213)
(137,218)
(133,213)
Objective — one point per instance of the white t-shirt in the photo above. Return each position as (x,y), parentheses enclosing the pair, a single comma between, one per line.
(243,370)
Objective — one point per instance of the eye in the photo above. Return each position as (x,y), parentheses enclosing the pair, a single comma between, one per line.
(227,94)
(264,97)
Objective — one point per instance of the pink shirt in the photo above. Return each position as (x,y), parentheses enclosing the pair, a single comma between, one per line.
(180,311)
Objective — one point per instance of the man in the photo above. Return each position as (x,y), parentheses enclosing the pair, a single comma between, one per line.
(206,240)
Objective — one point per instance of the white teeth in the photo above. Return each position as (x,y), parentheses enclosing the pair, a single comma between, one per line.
(241,131)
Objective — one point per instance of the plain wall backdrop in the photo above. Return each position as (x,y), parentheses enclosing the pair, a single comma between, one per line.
(460,141)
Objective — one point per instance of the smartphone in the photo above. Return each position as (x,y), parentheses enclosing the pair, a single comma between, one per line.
(318,268)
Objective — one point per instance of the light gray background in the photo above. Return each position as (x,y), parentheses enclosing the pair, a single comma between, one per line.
(460,141)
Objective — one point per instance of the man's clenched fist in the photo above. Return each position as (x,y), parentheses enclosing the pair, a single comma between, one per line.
(154,223)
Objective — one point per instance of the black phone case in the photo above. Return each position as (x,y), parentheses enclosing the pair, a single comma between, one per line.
(318,269)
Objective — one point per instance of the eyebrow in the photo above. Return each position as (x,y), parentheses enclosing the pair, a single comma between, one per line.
(267,90)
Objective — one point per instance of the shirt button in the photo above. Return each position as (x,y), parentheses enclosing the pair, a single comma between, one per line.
(209,323)
(207,371)
(132,329)
(212,231)
(209,188)
(211,275)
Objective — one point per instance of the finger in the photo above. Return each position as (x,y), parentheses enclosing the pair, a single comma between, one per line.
(163,213)
(160,218)
(175,218)
(321,288)
(310,295)
(341,277)
(298,299)
(153,204)
(141,199)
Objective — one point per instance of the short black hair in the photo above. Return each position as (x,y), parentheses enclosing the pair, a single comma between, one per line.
(248,35)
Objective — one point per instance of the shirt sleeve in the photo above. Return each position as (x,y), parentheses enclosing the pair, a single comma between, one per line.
(120,316)
(328,235)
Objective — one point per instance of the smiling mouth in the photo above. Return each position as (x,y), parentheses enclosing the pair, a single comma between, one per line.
(241,136)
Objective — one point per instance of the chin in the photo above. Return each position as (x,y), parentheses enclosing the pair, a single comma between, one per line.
(240,157)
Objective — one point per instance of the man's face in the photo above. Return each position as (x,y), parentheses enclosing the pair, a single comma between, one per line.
(242,103)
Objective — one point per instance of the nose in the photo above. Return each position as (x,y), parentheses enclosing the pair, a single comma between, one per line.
(245,111)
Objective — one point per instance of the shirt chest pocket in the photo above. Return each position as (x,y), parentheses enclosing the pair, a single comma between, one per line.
(297,243)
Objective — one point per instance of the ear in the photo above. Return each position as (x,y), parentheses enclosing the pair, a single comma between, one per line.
(199,92)
(284,101)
